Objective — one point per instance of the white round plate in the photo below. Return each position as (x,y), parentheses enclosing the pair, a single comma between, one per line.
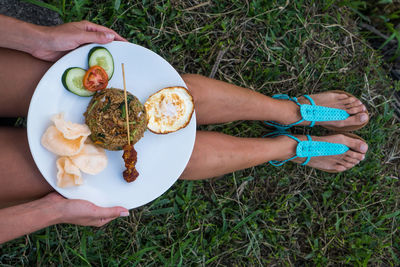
(161,158)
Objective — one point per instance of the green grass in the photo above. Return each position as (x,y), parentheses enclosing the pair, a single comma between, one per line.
(288,216)
(379,19)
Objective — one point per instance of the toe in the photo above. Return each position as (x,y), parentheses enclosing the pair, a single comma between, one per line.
(351,160)
(362,117)
(356,109)
(355,156)
(346,164)
(350,100)
(342,96)
(356,119)
(356,145)
(339,168)
(354,104)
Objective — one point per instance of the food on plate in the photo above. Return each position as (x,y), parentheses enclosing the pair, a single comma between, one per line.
(69,140)
(106,119)
(85,83)
(54,141)
(95,79)
(91,159)
(130,154)
(169,110)
(130,159)
(65,138)
(68,174)
(100,56)
(70,130)
(72,79)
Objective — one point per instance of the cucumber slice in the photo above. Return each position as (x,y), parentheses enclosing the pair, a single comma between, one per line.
(72,79)
(100,56)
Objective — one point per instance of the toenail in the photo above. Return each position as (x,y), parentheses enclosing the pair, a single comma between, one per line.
(364,108)
(363,148)
(363,117)
(363,157)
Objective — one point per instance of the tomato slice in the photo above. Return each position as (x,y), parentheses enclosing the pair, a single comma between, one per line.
(95,79)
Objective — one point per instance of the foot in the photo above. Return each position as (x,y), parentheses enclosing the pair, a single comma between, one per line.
(353,106)
(337,163)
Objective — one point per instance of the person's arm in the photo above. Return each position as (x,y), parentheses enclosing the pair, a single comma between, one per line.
(50,43)
(53,209)
(18,35)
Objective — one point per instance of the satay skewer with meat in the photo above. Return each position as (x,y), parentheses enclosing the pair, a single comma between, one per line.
(130,154)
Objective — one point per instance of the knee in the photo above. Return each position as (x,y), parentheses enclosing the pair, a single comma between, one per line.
(191,80)
(191,76)
(193,83)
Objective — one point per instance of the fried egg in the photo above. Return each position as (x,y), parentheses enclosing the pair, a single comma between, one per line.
(169,110)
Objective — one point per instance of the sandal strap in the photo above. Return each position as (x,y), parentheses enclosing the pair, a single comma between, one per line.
(310,112)
(312,103)
(309,148)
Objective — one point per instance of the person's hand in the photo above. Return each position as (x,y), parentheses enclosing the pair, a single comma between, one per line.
(82,212)
(52,209)
(55,41)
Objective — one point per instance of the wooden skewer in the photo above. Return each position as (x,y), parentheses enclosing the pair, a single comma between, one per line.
(126,105)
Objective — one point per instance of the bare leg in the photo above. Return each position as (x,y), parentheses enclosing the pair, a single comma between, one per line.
(19,75)
(216,154)
(20,179)
(218,102)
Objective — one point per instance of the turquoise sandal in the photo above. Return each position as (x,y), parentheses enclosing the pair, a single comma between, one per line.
(313,113)
(308,149)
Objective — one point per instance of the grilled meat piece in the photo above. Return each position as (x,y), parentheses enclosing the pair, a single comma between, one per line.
(130,158)
(130,175)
